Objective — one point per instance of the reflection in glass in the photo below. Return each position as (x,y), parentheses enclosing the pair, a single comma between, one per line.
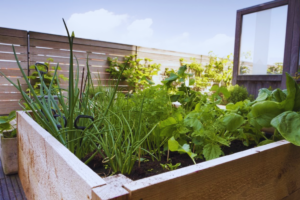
(262,42)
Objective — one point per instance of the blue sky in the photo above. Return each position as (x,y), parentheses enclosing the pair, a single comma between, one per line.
(194,26)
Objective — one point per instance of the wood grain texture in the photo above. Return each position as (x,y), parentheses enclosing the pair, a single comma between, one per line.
(59,38)
(263,6)
(8,106)
(259,78)
(13,32)
(13,40)
(47,169)
(267,172)
(288,41)
(113,189)
(237,44)
(294,57)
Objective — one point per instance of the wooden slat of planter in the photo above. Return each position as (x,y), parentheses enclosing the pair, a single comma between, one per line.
(266,172)
(10,88)
(113,189)
(47,169)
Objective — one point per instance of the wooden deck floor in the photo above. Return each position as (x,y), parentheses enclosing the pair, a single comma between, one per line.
(10,186)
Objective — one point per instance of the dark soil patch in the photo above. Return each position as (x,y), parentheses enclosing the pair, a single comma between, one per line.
(153,167)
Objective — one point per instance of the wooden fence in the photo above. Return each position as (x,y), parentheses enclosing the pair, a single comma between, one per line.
(32,47)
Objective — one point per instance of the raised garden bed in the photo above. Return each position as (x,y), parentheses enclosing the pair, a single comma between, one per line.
(48,170)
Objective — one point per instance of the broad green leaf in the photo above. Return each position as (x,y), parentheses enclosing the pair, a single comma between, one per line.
(234,107)
(263,94)
(278,95)
(192,81)
(225,92)
(263,112)
(233,121)
(191,120)
(178,117)
(211,151)
(214,88)
(293,94)
(181,70)
(168,122)
(288,125)
(173,144)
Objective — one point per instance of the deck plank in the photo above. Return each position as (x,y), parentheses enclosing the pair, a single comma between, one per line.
(10,187)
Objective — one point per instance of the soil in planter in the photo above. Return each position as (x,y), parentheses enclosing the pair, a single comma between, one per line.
(149,167)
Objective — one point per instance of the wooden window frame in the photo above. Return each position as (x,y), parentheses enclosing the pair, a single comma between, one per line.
(292,40)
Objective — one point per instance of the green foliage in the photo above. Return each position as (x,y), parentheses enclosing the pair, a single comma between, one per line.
(47,78)
(217,70)
(275,69)
(185,148)
(217,91)
(170,166)
(6,127)
(238,93)
(137,72)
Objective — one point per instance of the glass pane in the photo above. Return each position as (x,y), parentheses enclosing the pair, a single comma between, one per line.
(262,42)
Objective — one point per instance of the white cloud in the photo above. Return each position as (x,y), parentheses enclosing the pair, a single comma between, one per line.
(122,28)
(140,28)
(220,44)
(98,24)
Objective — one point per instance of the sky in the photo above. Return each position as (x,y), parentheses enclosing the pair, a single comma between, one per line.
(191,26)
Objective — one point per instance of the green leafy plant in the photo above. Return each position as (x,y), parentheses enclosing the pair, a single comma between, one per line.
(137,72)
(170,166)
(7,128)
(238,93)
(185,148)
(47,78)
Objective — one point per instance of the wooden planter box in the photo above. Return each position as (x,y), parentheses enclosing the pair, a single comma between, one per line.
(48,170)
(9,155)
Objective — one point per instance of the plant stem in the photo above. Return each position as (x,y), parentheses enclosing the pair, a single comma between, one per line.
(139,156)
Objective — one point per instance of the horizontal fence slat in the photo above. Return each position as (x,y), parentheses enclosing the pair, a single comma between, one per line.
(64,39)
(10,88)
(63,53)
(8,106)
(10,96)
(12,65)
(7,56)
(11,72)
(13,79)
(166,52)
(13,32)
(36,58)
(18,49)
(13,40)
(79,47)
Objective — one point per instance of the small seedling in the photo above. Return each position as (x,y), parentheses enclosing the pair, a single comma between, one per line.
(170,166)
